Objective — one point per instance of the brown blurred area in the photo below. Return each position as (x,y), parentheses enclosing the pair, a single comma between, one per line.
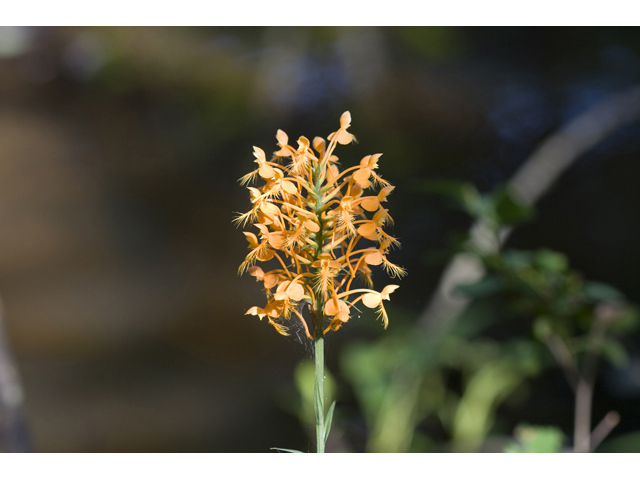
(117,267)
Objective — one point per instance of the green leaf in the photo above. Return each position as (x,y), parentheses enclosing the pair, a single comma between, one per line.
(615,353)
(327,421)
(464,194)
(543,327)
(550,261)
(304,379)
(599,292)
(625,443)
(627,321)
(509,209)
(287,450)
(532,439)
(516,259)
(484,287)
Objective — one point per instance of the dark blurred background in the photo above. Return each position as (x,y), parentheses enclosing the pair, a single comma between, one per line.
(120,150)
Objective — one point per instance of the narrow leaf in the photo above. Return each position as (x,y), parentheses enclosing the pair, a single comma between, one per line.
(328,419)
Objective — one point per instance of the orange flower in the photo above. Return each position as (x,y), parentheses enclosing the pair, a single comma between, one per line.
(312,230)
(264,169)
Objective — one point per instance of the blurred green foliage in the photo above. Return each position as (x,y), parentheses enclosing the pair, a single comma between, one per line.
(409,384)
(499,208)
(627,443)
(300,401)
(530,439)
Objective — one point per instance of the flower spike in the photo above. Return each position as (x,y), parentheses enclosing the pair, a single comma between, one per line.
(316,232)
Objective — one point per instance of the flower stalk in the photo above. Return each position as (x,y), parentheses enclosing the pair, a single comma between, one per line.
(318,388)
(318,392)
(320,232)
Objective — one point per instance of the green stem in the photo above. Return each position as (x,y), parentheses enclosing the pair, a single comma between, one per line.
(318,393)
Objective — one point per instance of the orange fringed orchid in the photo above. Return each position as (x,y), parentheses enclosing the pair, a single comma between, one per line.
(311,222)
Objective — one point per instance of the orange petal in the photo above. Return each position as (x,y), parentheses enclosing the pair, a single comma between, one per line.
(282,137)
(384,193)
(253,240)
(273,309)
(345,119)
(356,190)
(311,226)
(270,280)
(380,215)
(333,306)
(289,187)
(264,219)
(368,231)
(332,172)
(387,290)
(276,239)
(296,291)
(265,255)
(374,258)
(266,172)
(254,193)
(303,142)
(256,311)
(256,272)
(269,208)
(362,177)
(259,154)
(278,174)
(370,204)
(373,160)
(283,152)
(344,137)
(372,300)
(319,145)
(281,296)
(337,308)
